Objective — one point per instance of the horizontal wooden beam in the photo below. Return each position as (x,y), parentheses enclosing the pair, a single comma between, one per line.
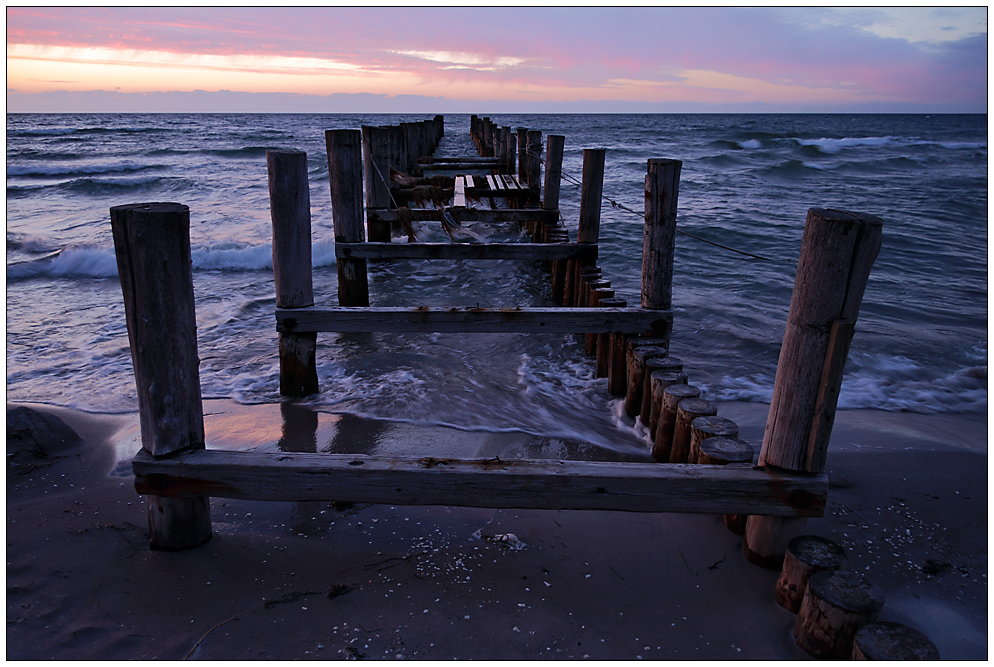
(467,214)
(436,159)
(472,320)
(457,166)
(525,484)
(518,251)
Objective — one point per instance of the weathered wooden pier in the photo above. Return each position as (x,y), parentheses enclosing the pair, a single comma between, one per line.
(375,174)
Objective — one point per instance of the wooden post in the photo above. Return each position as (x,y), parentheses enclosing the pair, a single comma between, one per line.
(672,395)
(659,381)
(376,176)
(636,376)
(505,148)
(534,138)
(554,145)
(290,209)
(662,186)
(882,640)
(597,294)
(523,155)
(805,555)
(835,605)
(345,176)
(604,344)
(512,152)
(152,244)
(687,411)
(837,253)
(722,450)
(706,427)
(590,195)
(653,364)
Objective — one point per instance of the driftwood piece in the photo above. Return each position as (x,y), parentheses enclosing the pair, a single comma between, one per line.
(672,395)
(882,640)
(806,554)
(835,605)
(687,411)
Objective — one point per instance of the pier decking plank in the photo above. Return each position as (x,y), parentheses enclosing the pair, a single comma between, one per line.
(533,484)
(456,251)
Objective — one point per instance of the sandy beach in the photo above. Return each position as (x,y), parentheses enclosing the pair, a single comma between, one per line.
(908,500)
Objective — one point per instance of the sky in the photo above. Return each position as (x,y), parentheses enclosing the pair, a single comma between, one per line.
(485,60)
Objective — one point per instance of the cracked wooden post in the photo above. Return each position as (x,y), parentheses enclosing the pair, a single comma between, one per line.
(290,209)
(554,144)
(345,176)
(152,244)
(837,253)
(662,186)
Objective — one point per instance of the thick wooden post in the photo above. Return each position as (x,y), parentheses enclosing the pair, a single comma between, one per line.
(554,144)
(590,195)
(290,209)
(837,252)
(505,148)
(376,145)
(523,155)
(534,157)
(152,244)
(345,176)
(662,187)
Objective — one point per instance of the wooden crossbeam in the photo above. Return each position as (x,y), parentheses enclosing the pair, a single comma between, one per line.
(586,252)
(467,214)
(457,166)
(452,159)
(523,484)
(472,320)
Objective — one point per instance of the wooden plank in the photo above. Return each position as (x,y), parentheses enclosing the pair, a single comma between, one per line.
(509,183)
(468,214)
(574,485)
(471,320)
(491,183)
(451,159)
(459,198)
(456,166)
(513,251)
(470,182)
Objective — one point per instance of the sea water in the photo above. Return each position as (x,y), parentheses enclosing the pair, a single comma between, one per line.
(747,182)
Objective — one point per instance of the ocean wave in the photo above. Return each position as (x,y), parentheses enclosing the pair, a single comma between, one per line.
(71,262)
(65,131)
(830,146)
(28,171)
(246,152)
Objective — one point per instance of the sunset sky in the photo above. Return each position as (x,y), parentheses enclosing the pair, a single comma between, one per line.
(523,59)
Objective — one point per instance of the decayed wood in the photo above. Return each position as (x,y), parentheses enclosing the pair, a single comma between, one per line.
(653,364)
(290,210)
(806,554)
(590,195)
(837,253)
(621,486)
(658,381)
(554,144)
(662,446)
(662,185)
(687,411)
(882,640)
(637,358)
(345,177)
(616,318)
(464,251)
(468,214)
(152,244)
(835,605)
(706,427)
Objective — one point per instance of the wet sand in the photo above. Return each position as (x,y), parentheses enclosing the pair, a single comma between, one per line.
(908,500)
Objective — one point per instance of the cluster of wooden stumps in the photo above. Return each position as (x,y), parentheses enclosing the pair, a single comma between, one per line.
(178,475)
(837,609)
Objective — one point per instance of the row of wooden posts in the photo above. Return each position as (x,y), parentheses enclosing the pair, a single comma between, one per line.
(178,475)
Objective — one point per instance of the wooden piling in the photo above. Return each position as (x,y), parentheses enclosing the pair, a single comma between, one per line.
(719,451)
(590,195)
(837,252)
(805,555)
(662,186)
(534,156)
(636,376)
(658,381)
(290,210)
(882,640)
(653,364)
(706,427)
(598,349)
(835,605)
(523,155)
(376,145)
(152,244)
(598,291)
(672,395)
(687,411)
(554,145)
(610,359)
(344,160)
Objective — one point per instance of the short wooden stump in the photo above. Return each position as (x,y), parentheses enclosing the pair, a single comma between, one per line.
(882,640)
(806,554)
(836,604)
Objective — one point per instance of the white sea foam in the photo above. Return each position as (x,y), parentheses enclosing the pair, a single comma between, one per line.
(827,145)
